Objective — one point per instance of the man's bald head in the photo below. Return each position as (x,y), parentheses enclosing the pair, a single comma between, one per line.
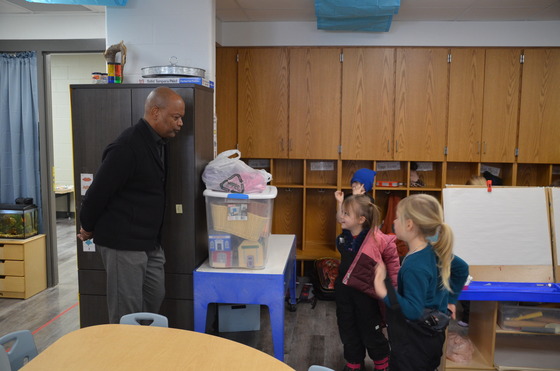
(163,110)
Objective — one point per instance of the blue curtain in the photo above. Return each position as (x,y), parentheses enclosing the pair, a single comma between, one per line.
(19,129)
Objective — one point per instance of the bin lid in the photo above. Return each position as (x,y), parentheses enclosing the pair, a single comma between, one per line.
(269,192)
(17,207)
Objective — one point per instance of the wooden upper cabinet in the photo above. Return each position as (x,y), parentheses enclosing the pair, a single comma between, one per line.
(263,102)
(421,104)
(315,85)
(368,103)
(539,123)
(501,104)
(226,98)
(466,94)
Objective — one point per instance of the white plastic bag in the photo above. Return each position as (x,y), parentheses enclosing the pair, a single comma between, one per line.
(233,175)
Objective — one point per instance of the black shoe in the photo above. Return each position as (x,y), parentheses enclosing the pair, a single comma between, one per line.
(361,368)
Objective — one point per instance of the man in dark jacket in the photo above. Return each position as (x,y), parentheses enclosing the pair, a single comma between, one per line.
(123,209)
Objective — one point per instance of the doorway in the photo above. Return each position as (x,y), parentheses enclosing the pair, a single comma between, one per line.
(62,70)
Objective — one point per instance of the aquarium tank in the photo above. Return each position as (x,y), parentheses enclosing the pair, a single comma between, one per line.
(18,220)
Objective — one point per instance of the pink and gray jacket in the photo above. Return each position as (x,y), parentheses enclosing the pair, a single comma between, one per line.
(377,247)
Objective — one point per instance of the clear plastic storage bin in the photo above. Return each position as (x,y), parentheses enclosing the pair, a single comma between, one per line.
(239,227)
(539,318)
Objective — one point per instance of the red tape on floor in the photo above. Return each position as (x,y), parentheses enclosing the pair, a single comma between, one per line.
(55,318)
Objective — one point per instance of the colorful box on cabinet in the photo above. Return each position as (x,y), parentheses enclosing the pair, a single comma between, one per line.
(239,226)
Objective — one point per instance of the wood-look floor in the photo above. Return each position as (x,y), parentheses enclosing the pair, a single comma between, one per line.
(311,335)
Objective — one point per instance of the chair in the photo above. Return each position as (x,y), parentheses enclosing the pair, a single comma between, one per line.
(144,319)
(319,368)
(22,348)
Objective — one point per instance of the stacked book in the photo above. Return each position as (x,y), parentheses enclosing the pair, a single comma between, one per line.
(177,80)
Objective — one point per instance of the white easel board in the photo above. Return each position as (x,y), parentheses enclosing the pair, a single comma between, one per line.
(507,227)
(555,210)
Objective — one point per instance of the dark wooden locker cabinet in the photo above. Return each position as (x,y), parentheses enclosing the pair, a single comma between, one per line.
(99,114)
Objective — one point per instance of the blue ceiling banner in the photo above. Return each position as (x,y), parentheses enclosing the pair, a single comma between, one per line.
(82,2)
(367,24)
(356,8)
(356,15)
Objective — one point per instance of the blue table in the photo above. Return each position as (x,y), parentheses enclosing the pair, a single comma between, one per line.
(484,297)
(251,286)
(512,291)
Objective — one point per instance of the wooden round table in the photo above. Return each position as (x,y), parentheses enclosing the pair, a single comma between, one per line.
(130,347)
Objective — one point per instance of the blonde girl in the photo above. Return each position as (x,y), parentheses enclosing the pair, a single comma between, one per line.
(431,278)
(362,245)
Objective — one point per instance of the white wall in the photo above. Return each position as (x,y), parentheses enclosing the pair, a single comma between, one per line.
(52,26)
(154,31)
(400,34)
(67,69)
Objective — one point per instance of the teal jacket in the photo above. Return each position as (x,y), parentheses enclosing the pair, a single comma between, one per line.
(419,283)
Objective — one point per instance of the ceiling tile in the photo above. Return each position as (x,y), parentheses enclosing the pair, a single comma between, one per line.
(414,4)
(428,14)
(494,14)
(277,4)
(47,8)
(281,15)
(9,8)
(552,13)
(504,4)
(232,15)
(227,4)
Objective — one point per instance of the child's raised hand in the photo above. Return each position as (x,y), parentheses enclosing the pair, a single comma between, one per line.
(339,195)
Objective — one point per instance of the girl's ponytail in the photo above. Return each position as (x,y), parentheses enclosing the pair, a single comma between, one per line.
(443,248)
(426,213)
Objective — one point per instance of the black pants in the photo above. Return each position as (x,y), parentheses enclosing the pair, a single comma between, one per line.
(359,324)
(412,349)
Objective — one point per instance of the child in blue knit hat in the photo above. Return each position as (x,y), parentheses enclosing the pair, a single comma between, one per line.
(361,183)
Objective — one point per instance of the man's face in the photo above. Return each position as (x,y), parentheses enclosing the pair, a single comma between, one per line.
(170,118)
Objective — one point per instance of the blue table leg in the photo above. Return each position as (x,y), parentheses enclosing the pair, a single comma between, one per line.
(293,299)
(276,311)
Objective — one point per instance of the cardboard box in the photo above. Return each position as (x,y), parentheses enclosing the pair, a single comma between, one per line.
(239,317)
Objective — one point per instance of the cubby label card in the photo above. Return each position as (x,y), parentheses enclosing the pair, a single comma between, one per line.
(491,169)
(425,166)
(322,166)
(388,165)
(259,164)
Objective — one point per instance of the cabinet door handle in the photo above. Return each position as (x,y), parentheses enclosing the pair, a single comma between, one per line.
(397,146)
(388,146)
(484,146)
(478,145)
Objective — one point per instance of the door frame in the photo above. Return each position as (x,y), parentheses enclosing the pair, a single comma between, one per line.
(44,48)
